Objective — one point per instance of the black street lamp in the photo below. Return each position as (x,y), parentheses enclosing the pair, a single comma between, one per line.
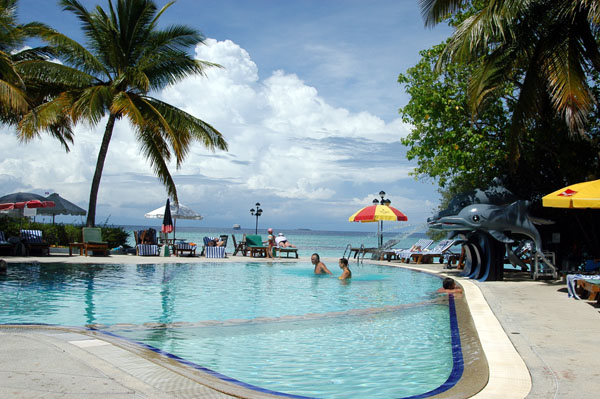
(386,202)
(256,212)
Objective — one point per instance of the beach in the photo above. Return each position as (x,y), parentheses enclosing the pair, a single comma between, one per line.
(554,335)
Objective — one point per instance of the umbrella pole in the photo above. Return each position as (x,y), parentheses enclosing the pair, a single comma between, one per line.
(174,229)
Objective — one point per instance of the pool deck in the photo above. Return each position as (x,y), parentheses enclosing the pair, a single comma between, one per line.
(556,340)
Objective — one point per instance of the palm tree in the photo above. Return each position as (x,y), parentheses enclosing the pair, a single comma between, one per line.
(17,96)
(547,48)
(128,57)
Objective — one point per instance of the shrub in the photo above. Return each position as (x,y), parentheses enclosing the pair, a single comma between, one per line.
(61,234)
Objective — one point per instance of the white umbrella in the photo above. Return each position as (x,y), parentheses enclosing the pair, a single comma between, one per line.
(178,211)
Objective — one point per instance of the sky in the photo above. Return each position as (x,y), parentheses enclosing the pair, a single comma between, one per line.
(307,101)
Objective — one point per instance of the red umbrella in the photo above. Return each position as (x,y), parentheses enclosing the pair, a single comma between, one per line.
(167,224)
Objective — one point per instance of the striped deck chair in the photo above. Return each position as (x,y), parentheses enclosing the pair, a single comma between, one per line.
(144,249)
(32,239)
(185,247)
(215,252)
(404,254)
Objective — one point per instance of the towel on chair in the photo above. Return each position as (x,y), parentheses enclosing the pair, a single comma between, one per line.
(215,252)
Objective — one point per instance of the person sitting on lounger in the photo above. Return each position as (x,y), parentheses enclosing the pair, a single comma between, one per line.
(346,273)
(320,267)
(449,287)
(282,242)
(215,242)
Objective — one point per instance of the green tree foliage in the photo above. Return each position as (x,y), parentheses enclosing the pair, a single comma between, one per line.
(62,234)
(448,145)
(463,150)
(127,57)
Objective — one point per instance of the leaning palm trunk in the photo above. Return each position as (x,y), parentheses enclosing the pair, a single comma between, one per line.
(91,216)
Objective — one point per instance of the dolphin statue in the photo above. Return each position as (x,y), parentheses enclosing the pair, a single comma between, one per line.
(480,221)
(497,220)
(494,194)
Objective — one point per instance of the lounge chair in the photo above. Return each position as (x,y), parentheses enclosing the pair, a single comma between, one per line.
(427,255)
(213,253)
(277,251)
(148,248)
(254,245)
(32,239)
(241,246)
(377,253)
(92,240)
(420,245)
(592,286)
(6,246)
(183,247)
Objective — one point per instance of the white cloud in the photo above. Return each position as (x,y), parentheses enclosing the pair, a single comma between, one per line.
(285,143)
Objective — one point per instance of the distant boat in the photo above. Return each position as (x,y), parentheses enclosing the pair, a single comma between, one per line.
(236,227)
(304,229)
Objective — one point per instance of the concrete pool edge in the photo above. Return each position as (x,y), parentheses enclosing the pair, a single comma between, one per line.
(506,367)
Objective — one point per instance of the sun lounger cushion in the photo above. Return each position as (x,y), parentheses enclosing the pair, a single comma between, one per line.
(147,250)
(32,236)
(215,252)
(186,247)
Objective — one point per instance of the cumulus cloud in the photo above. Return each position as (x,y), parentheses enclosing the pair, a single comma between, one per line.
(286,143)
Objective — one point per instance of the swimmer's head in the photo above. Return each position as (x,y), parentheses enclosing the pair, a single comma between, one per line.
(449,283)
(343,262)
(315,258)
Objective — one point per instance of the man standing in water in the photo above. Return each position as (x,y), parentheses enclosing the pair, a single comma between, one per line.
(320,267)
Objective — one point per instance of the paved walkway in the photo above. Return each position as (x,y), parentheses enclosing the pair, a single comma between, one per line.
(557,337)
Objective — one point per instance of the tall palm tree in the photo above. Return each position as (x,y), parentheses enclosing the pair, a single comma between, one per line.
(547,48)
(127,57)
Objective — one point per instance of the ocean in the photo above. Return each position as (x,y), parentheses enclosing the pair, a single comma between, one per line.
(325,243)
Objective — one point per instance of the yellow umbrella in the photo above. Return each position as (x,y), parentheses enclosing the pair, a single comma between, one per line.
(580,195)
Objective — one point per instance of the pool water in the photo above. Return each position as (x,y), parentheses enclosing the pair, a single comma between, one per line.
(382,334)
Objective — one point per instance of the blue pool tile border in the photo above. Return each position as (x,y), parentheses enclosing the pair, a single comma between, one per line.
(206,370)
(458,363)
(453,378)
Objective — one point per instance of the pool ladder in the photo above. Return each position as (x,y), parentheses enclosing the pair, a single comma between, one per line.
(360,255)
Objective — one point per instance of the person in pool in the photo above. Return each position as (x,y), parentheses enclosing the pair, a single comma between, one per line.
(449,287)
(346,273)
(320,267)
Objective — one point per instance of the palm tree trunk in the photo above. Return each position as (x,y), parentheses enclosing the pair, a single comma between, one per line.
(91,216)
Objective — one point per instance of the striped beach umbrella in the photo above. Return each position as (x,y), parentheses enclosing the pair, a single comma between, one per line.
(378,213)
(375,213)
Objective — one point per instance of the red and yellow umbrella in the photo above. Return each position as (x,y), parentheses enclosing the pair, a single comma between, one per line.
(378,213)
(580,195)
(375,213)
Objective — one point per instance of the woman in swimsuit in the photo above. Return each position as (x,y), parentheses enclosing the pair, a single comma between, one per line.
(346,273)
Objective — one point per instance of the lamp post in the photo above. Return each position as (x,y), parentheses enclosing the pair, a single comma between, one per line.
(256,212)
(386,202)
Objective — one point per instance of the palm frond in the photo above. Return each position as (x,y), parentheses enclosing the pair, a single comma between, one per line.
(52,73)
(50,117)
(434,11)
(153,148)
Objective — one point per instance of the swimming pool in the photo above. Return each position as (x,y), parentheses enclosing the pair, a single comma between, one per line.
(274,326)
